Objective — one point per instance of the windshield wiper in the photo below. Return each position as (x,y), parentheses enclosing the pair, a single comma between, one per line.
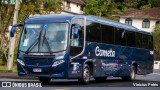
(34,43)
(47,44)
(32,46)
(43,39)
(39,41)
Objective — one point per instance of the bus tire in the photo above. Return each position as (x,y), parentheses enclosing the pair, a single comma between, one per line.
(44,80)
(132,75)
(100,79)
(86,75)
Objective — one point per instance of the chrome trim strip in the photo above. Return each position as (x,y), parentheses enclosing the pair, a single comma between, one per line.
(38,66)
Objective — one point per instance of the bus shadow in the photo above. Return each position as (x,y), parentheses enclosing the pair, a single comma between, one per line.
(93,83)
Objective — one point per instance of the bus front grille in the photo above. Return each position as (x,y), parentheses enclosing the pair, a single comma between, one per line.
(40,61)
(37,59)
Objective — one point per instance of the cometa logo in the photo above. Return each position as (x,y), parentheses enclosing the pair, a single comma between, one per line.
(104,53)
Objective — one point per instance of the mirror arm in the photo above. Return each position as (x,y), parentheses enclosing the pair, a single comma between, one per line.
(17,25)
(13,29)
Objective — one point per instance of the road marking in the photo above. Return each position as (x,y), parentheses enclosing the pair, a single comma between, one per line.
(156,73)
(140,75)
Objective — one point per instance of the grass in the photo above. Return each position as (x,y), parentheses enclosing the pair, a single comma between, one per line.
(3,68)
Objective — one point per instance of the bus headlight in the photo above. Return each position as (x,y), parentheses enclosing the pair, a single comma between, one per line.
(56,63)
(20,62)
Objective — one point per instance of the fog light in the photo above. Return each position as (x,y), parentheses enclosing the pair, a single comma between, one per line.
(20,62)
(56,63)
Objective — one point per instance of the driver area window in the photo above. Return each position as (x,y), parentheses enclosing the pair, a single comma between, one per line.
(77,42)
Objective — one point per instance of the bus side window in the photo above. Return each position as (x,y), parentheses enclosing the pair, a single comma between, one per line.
(138,40)
(130,37)
(150,42)
(93,32)
(107,34)
(120,37)
(77,39)
(145,41)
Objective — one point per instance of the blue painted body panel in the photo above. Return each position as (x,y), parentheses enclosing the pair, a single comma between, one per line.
(115,66)
(103,66)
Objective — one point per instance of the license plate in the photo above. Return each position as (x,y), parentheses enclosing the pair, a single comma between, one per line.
(37,70)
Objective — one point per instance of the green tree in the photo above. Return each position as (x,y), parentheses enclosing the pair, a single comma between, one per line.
(130,3)
(155,3)
(53,6)
(144,4)
(27,7)
(156,36)
(6,14)
(97,7)
(103,8)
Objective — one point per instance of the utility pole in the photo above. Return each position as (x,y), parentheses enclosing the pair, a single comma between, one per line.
(12,40)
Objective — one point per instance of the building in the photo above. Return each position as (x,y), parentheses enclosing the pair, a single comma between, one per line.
(73,6)
(142,19)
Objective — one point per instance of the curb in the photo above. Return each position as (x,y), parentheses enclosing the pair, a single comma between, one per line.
(19,77)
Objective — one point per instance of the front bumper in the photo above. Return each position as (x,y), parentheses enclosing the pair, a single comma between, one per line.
(46,71)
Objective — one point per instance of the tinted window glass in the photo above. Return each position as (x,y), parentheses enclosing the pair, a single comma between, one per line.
(150,42)
(107,34)
(130,38)
(145,41)
(93,32)
(120,37)
(138,40)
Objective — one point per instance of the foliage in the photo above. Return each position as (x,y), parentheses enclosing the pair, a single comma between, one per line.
(130,3)
(96,7)
(27,7)
(155,3)
(156,35)
(6,14)
(53,6)
(146,6)
(4,67)
(103,8)
(107,8)
(15,55)
(2,59)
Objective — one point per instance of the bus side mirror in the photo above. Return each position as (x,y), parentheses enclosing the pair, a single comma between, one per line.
(13,29)
(75,31)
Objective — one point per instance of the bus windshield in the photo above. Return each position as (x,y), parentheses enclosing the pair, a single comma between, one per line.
(51,37)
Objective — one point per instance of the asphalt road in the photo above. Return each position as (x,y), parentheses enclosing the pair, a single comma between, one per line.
(111,83)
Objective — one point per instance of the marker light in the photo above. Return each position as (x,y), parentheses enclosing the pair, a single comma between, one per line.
(20,62)
(56,63)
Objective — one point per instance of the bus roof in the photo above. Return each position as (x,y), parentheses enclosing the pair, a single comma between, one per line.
(50,18)
(68,17)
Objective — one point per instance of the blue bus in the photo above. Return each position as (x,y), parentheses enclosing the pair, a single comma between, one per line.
(81,47)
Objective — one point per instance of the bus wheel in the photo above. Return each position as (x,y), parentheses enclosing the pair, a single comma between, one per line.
(100,79)
(44,80)
(132,75)
(86,75)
